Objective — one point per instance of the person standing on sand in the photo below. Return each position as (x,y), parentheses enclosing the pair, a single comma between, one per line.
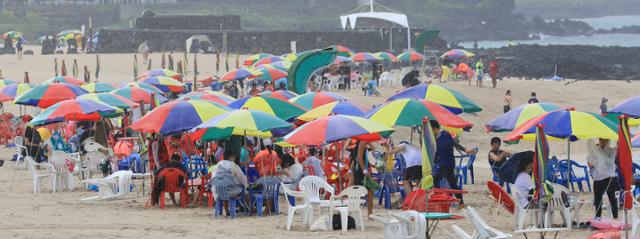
(493,72)
(603,106)
(479,72)
(601,158)
(507,102)
(19,47)
(533,99)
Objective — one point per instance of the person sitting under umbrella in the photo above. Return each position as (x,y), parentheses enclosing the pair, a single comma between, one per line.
(497,156)
(159,183)
(267,160)
(227,172)
(524,183)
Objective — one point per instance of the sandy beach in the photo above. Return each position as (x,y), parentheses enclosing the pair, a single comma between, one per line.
(63,215)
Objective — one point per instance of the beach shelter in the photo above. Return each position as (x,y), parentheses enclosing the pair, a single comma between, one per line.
(411,112)
(365,57)
(332,128)
(280,108)
(65,79)
(386,56)
(99,87)
(178,116)
(517,116)
(239,74)
(145,86)
(312,100)
(268,60)
(9,92)
(255,58)
(165,84)
(269,74)
(411,56)
(46,95)
(6,82)
(629,107)
(342,107)
(451,99)
(137,94)
(110,99)
(457,54)
(160,72)
(74,109)
(280,94)
(212,96)
(243,122)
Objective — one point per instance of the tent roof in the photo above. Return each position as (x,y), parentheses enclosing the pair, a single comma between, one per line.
(349,21)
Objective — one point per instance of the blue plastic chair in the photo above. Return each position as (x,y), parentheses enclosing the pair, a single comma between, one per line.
(554,173)
(390,185)
(128,163)
(499,181)
(269,191)
(222,194)
(569,167)
(463,168)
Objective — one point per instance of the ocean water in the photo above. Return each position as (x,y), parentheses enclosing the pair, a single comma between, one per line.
(623,40)
(609,22)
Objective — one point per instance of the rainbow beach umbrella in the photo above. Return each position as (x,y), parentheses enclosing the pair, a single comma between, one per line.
(238,122)
(411,112)
(11,34)
(341,59)
(110,99)
(342,107)
(99,87)
(46,95)
(291,57)
(386,56)
(178,116)
(629,107)
(160,72)
(410,56)
(6,82)
(268,60)
(65,79)
(517,116)
(457,53)
(281,65)
(540,159)
(240,73)
(343,50)
(311,100)
(280,108)
(279,94)
(212,96)
(269,74)
(625,164)
(333,128)
(255,58)
(75,109)
(165,84)
(364,57)
(453,100)
(147,87)
(136,94)
(9,92)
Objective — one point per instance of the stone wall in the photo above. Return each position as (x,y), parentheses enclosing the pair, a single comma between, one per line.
(150,20)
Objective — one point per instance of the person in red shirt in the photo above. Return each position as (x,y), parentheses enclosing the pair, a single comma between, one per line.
(267,160)
(493,71)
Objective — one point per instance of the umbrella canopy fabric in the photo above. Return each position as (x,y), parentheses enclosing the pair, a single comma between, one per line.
(280,94)
(254,58)
(239,74)
(343,50)
(160,72)
(6,82)
(178,116)
(335,108)
(136,94)
(386,56)
(110,99)
(625,165)
(11,34)
(563,124)
(332,128)
(212,96)
(457,53)
(312,100)
(280,108)
(269,74)
(635,141)
(364,57)
(630,107)
(516,117)
(268,60)
(239,121)
(281,65)
(65,79)
(451,99)
(411,112)
(341,59)
(411,56)
(147,87)
(46,95)
(291,57)
(428,151)
(75,109)
(165,84)
(540,159)
(99,87)
(9,92)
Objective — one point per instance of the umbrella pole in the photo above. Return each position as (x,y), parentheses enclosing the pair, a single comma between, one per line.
(569,169)
(338,159)
(626,221)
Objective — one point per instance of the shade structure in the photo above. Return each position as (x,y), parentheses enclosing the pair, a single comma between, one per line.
(269,74)
(9,92)
(342,107)
(267,60)
(625,164)
(280,108)
(160,72)
(46,95)
(451,99)
(145,86)
(341,59)
(110,99)
(332,128)
(256,57)
(280,94)
(212,96)
(165,84)
(312,100)
(517,116)
(65,79)
(411,112)
(540,159)
(365,57)
(343,50)
(11,35)
(410,56)
(139,95)
(240,121)
(386,56)
(239,74)
(6,82)
(99,87)
(457,54)
(282,65)
(630,107)
(74,109)
(291,57)
(567,124)
(178,116)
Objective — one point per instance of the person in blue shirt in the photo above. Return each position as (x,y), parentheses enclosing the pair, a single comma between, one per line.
(445,163)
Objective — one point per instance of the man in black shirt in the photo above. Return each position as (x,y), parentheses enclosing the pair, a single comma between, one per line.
(497,156)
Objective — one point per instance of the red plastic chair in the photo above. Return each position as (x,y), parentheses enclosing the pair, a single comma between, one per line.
(172,184)
(310,170)
(202,192)
(500,196)
(6,128)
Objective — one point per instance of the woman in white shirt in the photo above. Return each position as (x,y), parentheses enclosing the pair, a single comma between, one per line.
(524,182)
(602,161)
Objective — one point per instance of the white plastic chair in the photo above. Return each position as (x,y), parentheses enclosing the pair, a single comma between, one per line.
(521,212)
(351,205)
(19,142)
(36,174)
(62,179)
(392,227)
(385,80)
(414,225)
(556,204)
(311,186)
(114,186)
(635,218)
(305,206)
(458,233)
(482,230)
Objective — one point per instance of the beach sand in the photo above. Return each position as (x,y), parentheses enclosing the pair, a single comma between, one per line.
(63,215)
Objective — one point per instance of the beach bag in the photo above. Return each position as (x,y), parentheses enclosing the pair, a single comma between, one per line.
(321,224)
(416,200)
(508,172)
(337,222)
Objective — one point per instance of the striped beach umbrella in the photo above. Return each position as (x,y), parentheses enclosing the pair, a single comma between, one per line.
(453,100)
(178,116)
(268,60)
(212,96)
(386,56)
(630,107)
(110,99)
(341,59)
(280,108)
(136,94)
(255,58)
(411,112)
(74,109)
(99,87)
(540,159)
(411,56)
(145,86)
(46,95)
(238,122)
(428,151)
(625,164)
(6,82)
(517,116)
(342,107)
(457,54)
(281,65)
(311,100)
(333,128)
(65,79)
(364,57)
(160,72)
(165,84)
(343,50)
(279,94)
(9,93)
(269,74)
(240,73)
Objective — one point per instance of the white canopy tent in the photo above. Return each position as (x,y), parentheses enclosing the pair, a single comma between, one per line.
(349,21)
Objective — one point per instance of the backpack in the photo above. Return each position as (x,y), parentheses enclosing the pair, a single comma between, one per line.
(337,222)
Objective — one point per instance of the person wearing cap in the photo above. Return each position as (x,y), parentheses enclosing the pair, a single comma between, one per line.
(413,160)
(267,160)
